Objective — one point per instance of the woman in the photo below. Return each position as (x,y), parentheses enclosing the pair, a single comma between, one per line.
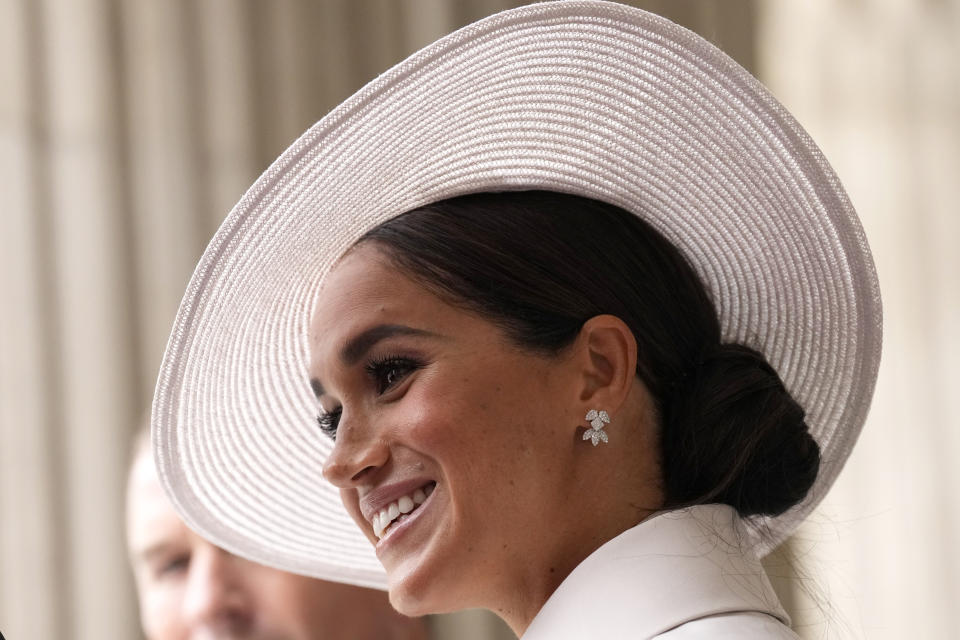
(589,320)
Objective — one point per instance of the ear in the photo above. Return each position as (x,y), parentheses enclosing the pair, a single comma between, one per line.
(606,353)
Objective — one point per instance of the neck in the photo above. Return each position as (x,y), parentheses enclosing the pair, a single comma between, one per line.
(599,493)
(600,506)
(529,594)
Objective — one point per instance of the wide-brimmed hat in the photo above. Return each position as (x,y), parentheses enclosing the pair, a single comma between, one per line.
(584,97)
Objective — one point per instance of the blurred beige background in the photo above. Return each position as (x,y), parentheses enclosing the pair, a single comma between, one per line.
(128,128)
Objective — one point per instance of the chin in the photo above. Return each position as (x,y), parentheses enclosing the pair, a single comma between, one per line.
(416,595)
(410,606)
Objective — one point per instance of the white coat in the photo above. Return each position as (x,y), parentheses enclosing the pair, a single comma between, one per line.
(678,575)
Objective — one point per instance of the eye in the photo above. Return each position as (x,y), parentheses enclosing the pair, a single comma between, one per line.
(329,421)
(388,372)
(173,566)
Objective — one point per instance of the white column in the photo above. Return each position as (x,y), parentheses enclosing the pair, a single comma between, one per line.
(29,598)
(93,384)
(877,84)
(162,146)
(228,164)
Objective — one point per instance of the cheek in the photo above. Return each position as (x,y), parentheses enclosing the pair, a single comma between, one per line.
(286,602)
(480,419)
(465,420)
(160,610)
(421,419)
(444,414)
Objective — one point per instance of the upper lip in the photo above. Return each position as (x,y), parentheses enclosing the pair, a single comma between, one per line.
(372,503)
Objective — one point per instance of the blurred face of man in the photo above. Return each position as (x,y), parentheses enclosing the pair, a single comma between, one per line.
(192,590)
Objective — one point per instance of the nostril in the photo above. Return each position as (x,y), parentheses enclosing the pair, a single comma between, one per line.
(362,473)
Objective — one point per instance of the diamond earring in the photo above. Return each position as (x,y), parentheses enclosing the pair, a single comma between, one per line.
(596,419)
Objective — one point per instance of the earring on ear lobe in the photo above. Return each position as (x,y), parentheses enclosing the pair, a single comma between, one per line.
(596,419)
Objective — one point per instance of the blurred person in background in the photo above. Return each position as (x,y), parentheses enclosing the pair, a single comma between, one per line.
(189,588)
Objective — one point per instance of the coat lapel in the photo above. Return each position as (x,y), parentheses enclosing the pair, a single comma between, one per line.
(674,567)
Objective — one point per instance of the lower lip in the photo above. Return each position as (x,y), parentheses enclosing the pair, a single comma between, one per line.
(398,529)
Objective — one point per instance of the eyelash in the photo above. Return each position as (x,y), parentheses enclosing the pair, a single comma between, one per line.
(379,370)
(328,421)
(177,564)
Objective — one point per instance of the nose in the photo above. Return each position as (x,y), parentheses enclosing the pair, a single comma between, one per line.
(216,597)
(358,453)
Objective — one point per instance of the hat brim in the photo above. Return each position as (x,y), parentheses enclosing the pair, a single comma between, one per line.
(590,98)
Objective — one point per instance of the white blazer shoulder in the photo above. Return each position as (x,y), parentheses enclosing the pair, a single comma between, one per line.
(679,575)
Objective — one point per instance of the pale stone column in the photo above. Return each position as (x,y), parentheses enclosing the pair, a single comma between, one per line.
(68,377)
(31,604)
(877,84)
(162,142)
(228,155)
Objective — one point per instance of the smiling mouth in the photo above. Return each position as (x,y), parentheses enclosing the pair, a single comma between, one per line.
(400,509)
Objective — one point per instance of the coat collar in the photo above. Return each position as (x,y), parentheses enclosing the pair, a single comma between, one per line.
(673,567)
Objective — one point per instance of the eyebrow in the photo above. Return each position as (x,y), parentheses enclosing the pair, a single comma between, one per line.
(148,553)
(360,344)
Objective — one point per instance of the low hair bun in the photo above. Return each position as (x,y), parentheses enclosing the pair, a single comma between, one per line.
(732,434)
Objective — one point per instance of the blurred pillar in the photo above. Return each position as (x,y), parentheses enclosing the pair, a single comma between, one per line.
(31,603)
(162,136)
(228,157)
(68,385)
(877,84)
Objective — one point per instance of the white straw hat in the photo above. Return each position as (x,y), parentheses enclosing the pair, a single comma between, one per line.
(585,97)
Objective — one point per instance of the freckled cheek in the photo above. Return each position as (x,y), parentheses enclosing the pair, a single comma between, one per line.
(449,415)
(431,414)
(428,430)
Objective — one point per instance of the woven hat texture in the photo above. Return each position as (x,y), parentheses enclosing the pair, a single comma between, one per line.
(585,97)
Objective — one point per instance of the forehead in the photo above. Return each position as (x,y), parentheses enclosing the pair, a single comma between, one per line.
(364,276)
(365,289)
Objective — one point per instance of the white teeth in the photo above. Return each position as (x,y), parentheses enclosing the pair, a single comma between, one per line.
(382,520)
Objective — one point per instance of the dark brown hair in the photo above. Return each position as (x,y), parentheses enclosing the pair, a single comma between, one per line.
(540,264)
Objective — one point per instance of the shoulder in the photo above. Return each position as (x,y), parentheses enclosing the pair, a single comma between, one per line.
(745,625)
(678,575)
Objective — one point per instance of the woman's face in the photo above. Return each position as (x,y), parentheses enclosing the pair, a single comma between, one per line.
(438,415)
